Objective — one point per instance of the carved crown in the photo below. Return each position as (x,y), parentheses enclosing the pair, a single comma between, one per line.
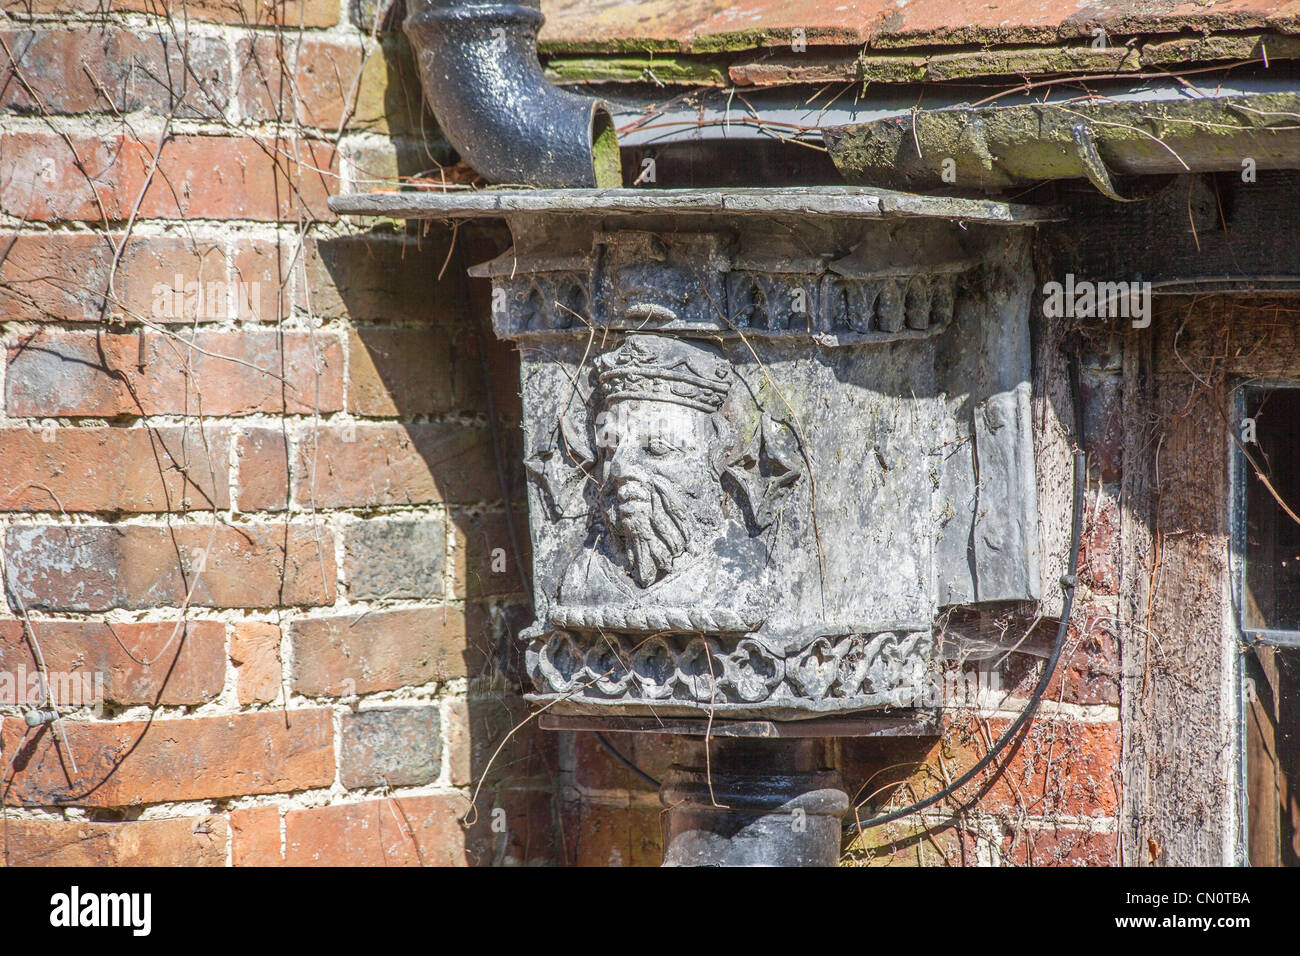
(664,369)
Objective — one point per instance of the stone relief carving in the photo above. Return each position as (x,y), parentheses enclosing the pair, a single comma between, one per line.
(760,460)
(679,502)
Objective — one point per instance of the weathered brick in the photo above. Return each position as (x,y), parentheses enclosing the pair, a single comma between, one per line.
(389,98)
(368,279)
(393,747)
(388,159)
(255,837)
(491,740)
(209,373)
(291,13)
(401,373)
(1099,557)
(369,465)
(425,831)
(363,13)
(502,381)
(262,269)
(1090,664)
(460,745)
(370,86)
(44,177)
(255,652)
(410,831)
(1061,766)
(129,763)
(384,650)
(395,559)
(108,69)
(484,557)
(139,662)
(170,468)
(1061,846)
(598,835)
(177,841)
(65,277)
(906,844)
(263,459)
(514,828)
(595,768)
(97,567)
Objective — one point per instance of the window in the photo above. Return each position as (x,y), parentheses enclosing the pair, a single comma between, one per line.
(1270,611)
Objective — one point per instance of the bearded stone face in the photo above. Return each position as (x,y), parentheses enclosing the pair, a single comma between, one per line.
(659,487)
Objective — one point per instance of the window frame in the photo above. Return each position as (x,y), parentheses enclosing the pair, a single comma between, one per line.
(1240,477)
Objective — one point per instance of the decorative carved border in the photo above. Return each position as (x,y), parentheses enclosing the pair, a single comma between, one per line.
(654,618)
(710,672)
(832,308)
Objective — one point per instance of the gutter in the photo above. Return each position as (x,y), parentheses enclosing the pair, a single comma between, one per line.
(1013,138)
(994,146)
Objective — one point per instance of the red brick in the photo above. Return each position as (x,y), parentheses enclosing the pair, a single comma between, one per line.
(597,835)
(425,831)
(514,828)
(1090,665)
(492,740)
(65,277)
(255,837)
(160,664)
(368,465)
(112,70)
(369,279)
(263,459)
(401,373)
(116,469)
(178,841)
(323,73)
(44,178)
(597,769)
(456,731)
(263,269)
(209,373)
(409,831)
(485,559)
(255,652)
(97,567)
(907,844)
(384,650)
(203,758)
(390,747)
(1063,846)
(1063,766)
(308,13)
(1099,551)
(333,83)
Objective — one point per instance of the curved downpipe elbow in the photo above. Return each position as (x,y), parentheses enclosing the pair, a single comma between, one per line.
(478,66)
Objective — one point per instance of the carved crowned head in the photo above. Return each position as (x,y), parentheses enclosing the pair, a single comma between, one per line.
(661,446)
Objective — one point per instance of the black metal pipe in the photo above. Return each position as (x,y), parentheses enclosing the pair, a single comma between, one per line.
(478,66)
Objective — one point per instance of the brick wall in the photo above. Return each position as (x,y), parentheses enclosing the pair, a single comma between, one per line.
(249,482)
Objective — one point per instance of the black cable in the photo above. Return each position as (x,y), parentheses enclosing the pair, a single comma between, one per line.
(625,762)
(1069,581)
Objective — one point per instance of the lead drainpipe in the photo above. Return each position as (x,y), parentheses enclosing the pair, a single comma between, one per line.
(478,66)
